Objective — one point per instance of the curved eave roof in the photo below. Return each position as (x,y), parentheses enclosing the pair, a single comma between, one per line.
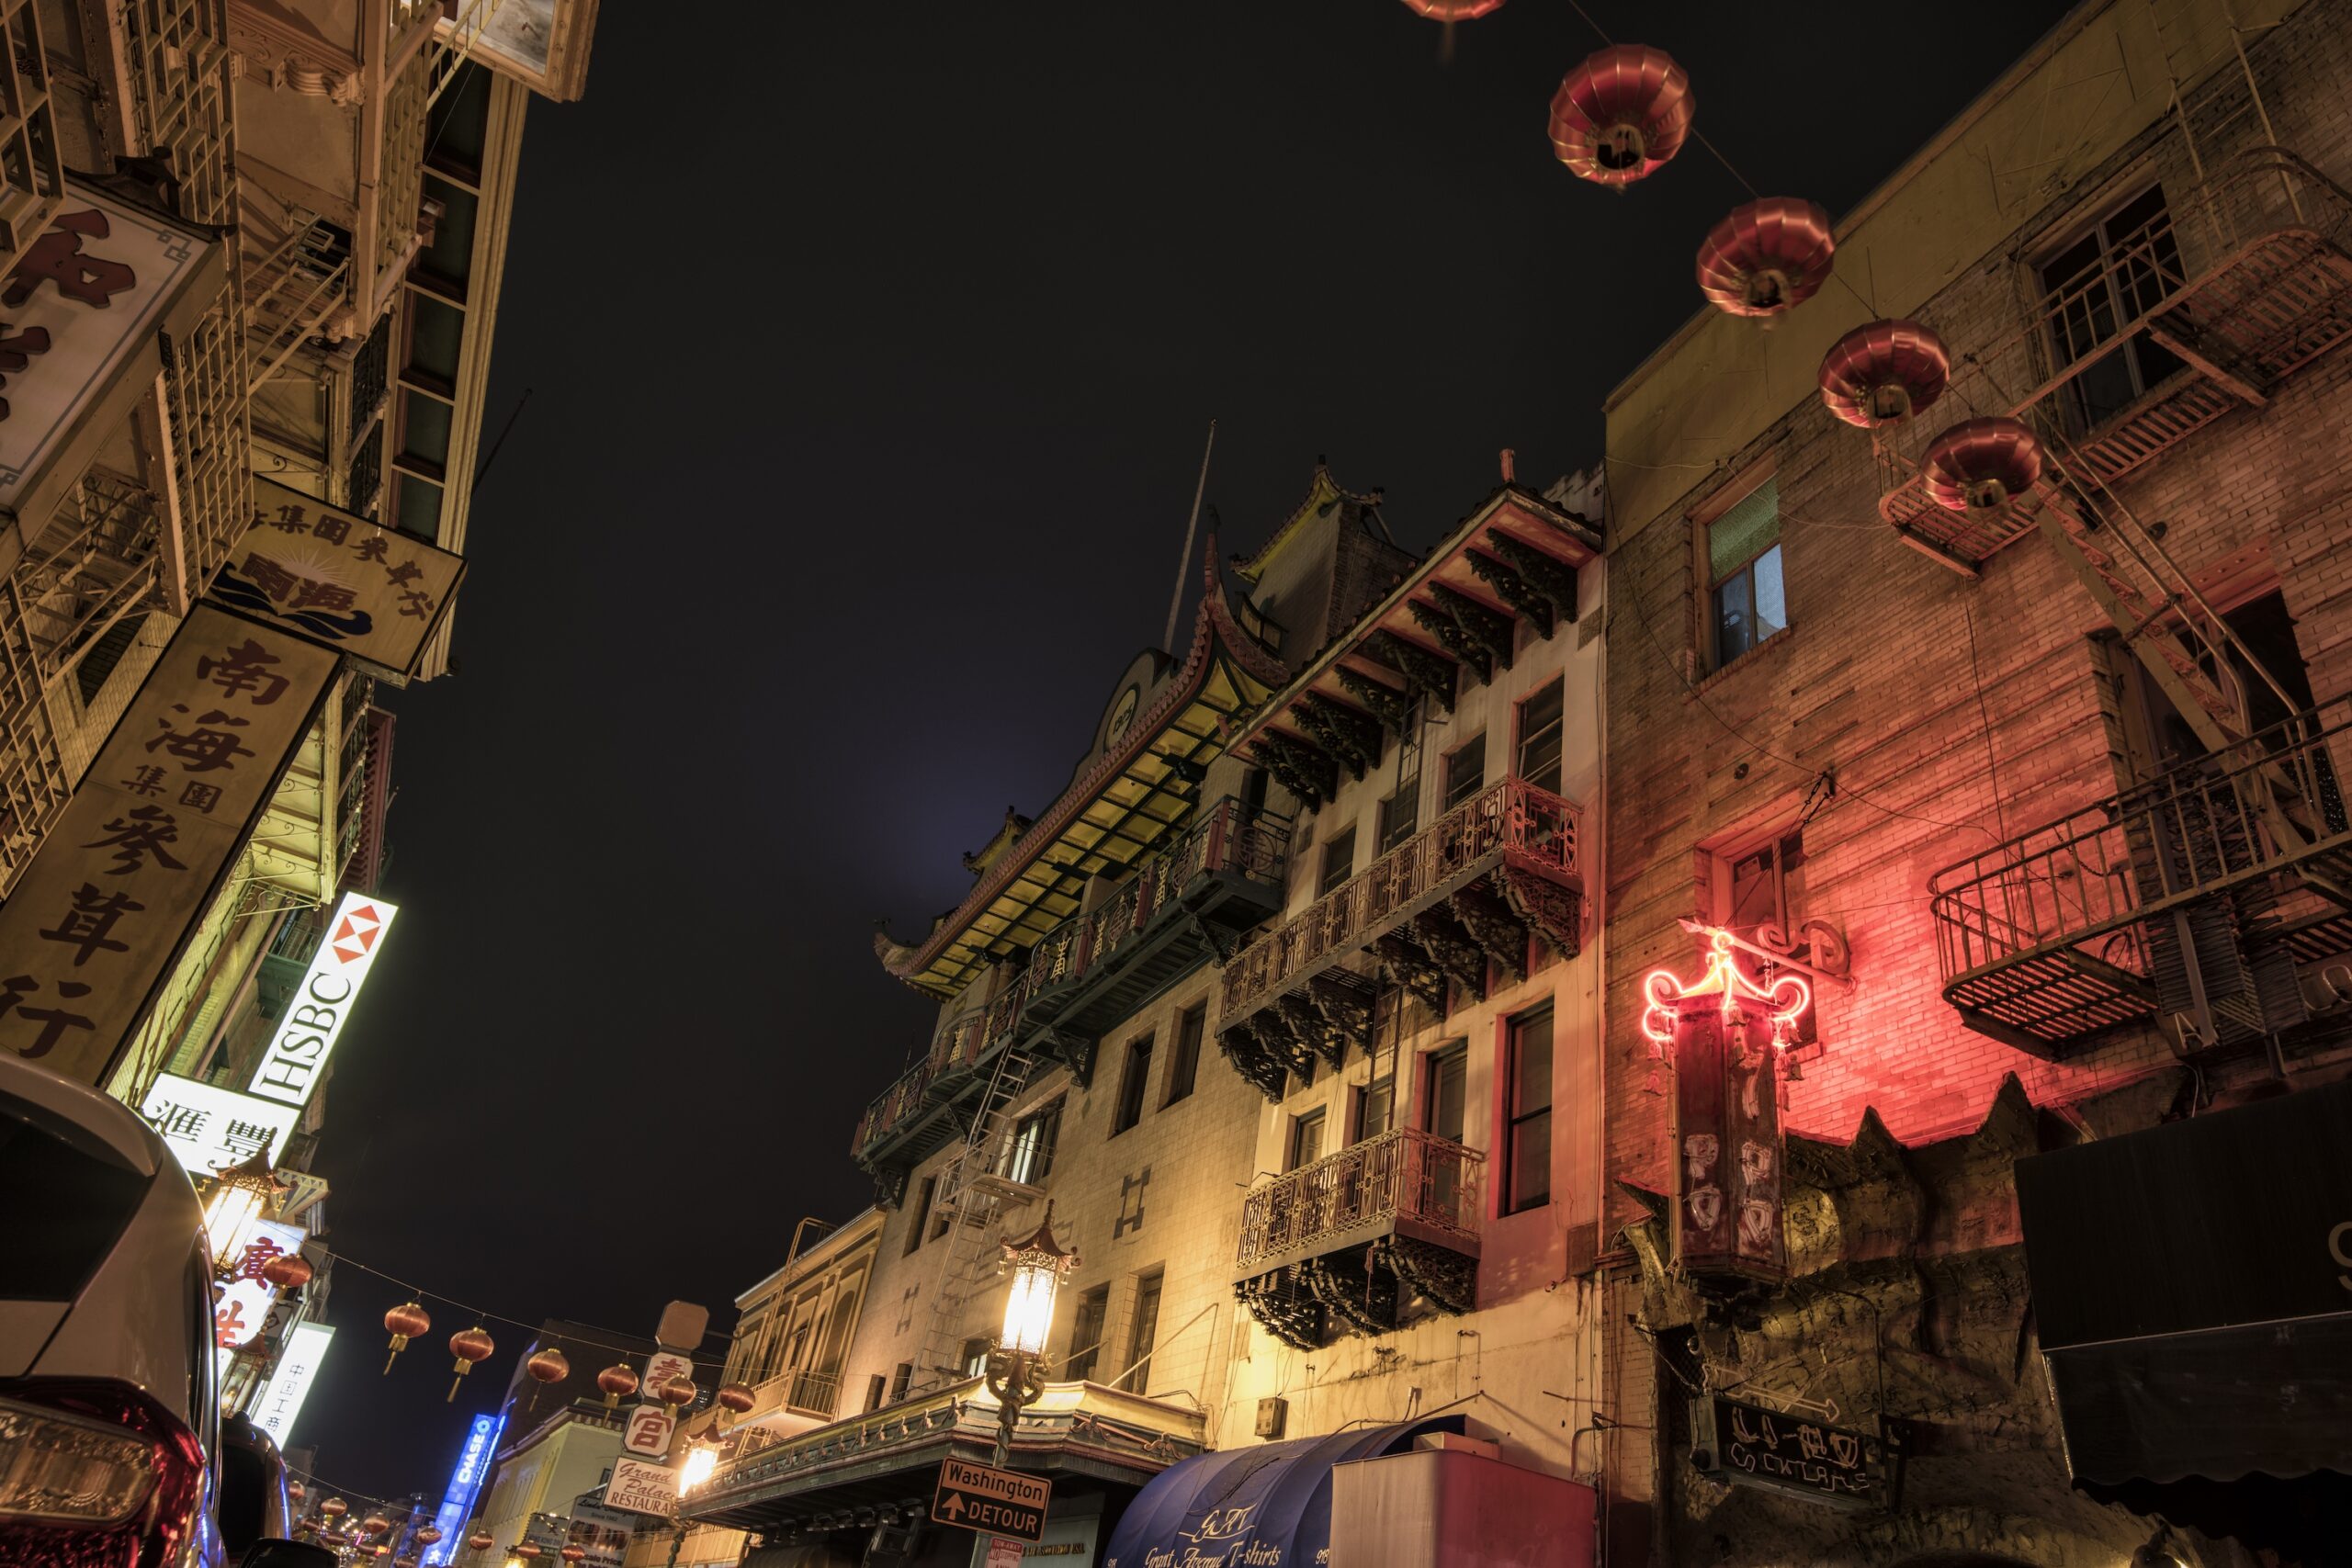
(1525,516)
(1322,491)
(1114,814)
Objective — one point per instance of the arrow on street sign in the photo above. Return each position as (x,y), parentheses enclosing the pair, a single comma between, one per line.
(980,1497)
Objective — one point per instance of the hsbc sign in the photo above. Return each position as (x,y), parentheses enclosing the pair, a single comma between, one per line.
(289,1069)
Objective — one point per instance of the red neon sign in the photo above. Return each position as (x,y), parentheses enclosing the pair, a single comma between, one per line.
(1783,1001)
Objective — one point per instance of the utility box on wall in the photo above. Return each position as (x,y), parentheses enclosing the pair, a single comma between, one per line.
(1273,1415)
(1451,1504)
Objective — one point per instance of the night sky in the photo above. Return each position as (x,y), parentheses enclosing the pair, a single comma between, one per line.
(871,350)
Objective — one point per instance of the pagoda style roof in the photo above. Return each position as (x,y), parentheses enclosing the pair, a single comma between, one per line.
(1116,811)
(1323,492)
(1514,556)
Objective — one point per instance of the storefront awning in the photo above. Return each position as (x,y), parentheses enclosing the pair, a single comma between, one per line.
(1268,1504)
(2192,1284)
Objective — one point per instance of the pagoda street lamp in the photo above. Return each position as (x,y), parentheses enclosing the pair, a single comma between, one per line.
(1016,1367)
(240,1193)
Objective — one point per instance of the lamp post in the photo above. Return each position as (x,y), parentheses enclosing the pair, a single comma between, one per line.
(696,1468)
(240,1194)
(1016,1367)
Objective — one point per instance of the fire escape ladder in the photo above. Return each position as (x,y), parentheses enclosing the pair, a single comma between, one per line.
(971,1205)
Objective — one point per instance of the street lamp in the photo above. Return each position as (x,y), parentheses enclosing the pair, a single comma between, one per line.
(1016,1367)
(239,1194)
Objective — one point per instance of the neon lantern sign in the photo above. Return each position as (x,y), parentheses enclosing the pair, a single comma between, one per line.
(1724,1034)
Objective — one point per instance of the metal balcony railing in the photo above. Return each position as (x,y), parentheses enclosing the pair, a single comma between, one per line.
(813,1394)
(1512,820)
(1407,1177)
(1227,838)
(2244,277)
(2046,934)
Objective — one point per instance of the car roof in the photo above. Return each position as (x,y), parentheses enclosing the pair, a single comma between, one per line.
(101,1116)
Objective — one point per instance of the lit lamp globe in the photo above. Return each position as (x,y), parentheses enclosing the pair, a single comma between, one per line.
(701,1460)
(240,1194)
(1016,1368)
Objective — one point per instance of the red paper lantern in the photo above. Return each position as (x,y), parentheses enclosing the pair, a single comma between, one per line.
(550,1365)
(295,1490)
(334,1508)
(1454,10)
(1884,373)
(619,1383)
(428,1535)
(525,1550)
(480,1540)
(374,1524)
(287,1271)
(468,1345)
(678,1391)
(405,1322)
(734,1397)
(573,1553)
(1766,258)
(1979,464)
(1622,114)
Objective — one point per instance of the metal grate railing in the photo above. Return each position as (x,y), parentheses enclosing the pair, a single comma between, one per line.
(1403,1175)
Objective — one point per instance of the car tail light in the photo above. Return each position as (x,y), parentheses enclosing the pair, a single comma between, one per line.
(93,1474)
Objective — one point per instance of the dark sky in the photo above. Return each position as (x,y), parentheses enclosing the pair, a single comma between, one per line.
(872,349)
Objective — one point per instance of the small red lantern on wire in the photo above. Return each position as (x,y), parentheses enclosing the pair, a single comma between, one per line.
(374,1524)
(428,1535)
(1884,373)
(546,1367)
(469,1345)
(406,1322)
(287,1271)
(1979,464)
(296,1491)
(1453,10)
(1767,257)
(480,1540)
(573,1553)
(735,1398)
(334,1508)
(617,1382)
(678,1391)
(525,1550)
(1622,114)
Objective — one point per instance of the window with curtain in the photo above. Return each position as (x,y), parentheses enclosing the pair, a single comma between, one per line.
(1748,596)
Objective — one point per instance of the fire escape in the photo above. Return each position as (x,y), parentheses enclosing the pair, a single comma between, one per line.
(2188,901)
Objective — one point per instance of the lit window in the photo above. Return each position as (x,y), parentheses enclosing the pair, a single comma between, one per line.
(1749,596)
(1029,1157)
(1528,1157)
(1540,717)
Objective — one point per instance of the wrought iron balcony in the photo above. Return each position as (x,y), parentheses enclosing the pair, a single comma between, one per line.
(2243,278)
(2189,901)
(1360,1236)
(1466,891)
(1220,875)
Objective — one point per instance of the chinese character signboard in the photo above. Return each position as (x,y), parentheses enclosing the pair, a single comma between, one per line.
(93,926)
(661,1369)
(1747,1445)
(315,1015)
(642,1488)
(364,589)
(209,1128)
(80,315)
(242,1310)
(647,1430)
(274,1411)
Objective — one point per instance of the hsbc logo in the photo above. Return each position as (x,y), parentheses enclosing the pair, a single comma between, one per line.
(288,1071)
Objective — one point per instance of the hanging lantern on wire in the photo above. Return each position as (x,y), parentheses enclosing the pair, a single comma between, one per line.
(1979,464)
(1884,373)
(546,1367)
(480,1540)
(1622,114)
(677,1391)
(428,1535)
(1766,258)
(617,1382)
(735,1398)
(573,1554)
(525,1550)
(334,1508)
(468,1345)
(374,1524)
(1453,10)
(405,1322)
(296,1491)
(287,1271)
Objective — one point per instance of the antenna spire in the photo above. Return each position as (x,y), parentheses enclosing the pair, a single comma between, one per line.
(1184,560)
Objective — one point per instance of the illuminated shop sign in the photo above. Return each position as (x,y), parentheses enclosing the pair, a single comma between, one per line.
(315,1015)
(282,1402)
(465,1485)
(209,1128)
(243,1311)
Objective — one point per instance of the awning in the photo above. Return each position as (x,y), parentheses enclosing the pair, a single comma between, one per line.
(1274,1500)
(2192,1286)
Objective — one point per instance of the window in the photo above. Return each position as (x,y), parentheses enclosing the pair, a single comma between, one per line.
(1747,594)
(878,1389)
(922,1211)
(974,1361)
(1185,1062)
(1029,1157)
(900,1379)
(1086,1333)
(2112,275)
(1141,1334)
(1306,1139)
(1539,738)
(1395,1015)
(1338,863)
(1400,812)
(1527,1165)
(1753,890)
(1445,1080)
(1375,1108)
(1132,1079)
(1465,771)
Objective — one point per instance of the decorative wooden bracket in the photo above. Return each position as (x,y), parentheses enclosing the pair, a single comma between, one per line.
(1408,964)
(1452,949)
(1489,630)
(1304,770)
(1500,934)
(1554,578)
(1428,675)
(1514,591)
(1391,707)
(1351,737)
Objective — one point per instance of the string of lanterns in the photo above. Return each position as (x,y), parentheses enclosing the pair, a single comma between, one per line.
(550,1366)
(1620,115)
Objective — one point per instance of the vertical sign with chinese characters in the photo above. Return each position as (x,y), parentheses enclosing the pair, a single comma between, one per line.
(1726,1141)
(92,928)
(360,588)
(274,1411)
(239,1317)
(210,1129)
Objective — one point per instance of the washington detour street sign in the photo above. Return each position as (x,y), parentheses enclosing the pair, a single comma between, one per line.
(979,1498)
